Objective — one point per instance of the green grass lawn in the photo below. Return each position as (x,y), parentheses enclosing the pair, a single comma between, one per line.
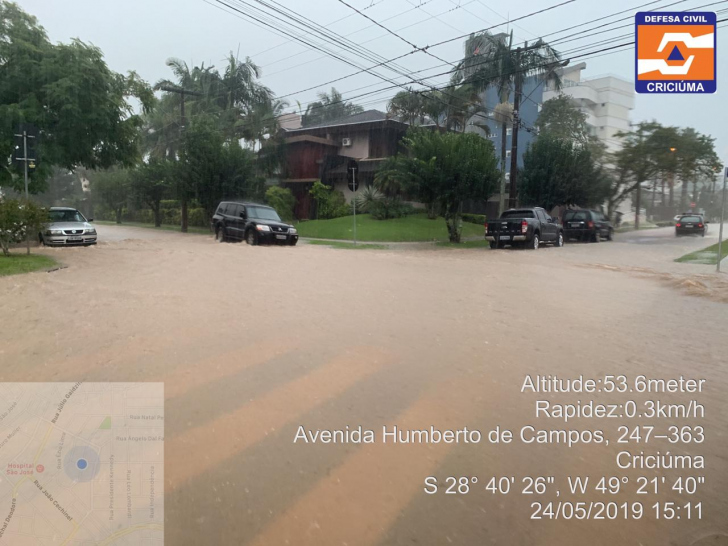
(24,263)
(341,244)
(708,256)
(416,227)
(164,227)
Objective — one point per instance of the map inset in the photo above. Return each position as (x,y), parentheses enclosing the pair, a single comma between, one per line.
(81,463)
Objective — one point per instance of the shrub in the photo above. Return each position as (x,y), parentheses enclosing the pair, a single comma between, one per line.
(18,217)
(474,219)
(330,203)
(365,199)
(385,209)
(282,200)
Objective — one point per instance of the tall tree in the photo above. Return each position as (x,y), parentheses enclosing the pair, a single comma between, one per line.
(446,168)
(328,108)
(637,163)
(491,60)
(561,119)
(80,107)
(561,171)
(152,182)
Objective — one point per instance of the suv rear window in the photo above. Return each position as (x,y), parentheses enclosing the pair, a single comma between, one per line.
(695,219)
(576,215)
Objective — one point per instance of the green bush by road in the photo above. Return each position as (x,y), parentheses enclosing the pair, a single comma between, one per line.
(24,263)
(708,256)
(409,229)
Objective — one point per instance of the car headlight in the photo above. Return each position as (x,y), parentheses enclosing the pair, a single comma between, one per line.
(262,228)
(54,232)
(293,231)
(91,231)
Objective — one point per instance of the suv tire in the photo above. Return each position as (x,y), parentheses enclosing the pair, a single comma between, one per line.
(535,242)
(220,235)
(251,238)
(559,240)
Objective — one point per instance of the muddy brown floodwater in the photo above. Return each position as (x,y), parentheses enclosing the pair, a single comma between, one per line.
(254,342)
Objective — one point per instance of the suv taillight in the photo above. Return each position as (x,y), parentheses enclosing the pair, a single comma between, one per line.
(700,225)
(590,224)
(524,226)
(677,225)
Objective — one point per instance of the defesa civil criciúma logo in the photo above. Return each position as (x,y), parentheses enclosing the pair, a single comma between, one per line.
(675,52)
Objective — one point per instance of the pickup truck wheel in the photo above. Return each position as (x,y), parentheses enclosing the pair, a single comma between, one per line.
(596,237)
(220,235)
(610,235)
(251,238)
(493,245)
(535,242)
(560,240)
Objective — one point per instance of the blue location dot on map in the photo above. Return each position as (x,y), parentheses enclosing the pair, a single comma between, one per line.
(81,463)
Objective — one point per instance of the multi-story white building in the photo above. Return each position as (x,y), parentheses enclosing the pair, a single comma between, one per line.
(606,100)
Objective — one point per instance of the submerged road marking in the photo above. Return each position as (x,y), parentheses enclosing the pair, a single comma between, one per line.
(360,499)
(207,446)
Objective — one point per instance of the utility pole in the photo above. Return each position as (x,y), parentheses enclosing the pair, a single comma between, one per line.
(518,90)
(722,217)
(25,159)
(182,92)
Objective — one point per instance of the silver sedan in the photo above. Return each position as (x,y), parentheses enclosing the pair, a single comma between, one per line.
(67,227)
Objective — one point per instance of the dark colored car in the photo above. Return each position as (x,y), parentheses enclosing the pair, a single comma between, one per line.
(690,224)
(529,227)
(587,225)
(253,223)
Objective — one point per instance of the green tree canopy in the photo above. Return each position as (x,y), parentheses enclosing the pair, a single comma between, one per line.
(560,171)
(79,106)
(329,107)
(560,118)
(443,167)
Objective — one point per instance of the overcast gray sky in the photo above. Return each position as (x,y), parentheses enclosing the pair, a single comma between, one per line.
(140,35)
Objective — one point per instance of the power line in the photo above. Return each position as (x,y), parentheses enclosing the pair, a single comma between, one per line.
(406,41)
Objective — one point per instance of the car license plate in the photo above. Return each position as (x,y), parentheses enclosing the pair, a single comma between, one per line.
(688,225)
(280,236)
(505,237)
(574,224)
(75,239)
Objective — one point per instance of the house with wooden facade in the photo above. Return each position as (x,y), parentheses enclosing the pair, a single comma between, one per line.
(322,152)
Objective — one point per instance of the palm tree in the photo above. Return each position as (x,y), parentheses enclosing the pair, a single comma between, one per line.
(492,61)
(328,108)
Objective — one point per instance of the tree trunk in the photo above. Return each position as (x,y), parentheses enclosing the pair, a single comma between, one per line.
(157,215)
(432,210)
(662,195)
(672,189)
(185,215)
(683,196)
(118,214)
(638,204)
(454,222)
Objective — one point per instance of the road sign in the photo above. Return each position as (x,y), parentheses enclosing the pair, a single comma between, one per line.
(352,171)
(692,205)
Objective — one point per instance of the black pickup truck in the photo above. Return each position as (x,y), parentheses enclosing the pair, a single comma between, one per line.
(528,227)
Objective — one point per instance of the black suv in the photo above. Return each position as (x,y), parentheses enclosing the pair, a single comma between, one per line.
(255,223)
(587,225)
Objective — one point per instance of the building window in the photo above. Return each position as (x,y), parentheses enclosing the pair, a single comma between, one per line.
(508,176)
(509,131)
(508,153)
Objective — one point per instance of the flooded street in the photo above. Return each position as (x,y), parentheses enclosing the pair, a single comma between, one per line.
(256,344)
